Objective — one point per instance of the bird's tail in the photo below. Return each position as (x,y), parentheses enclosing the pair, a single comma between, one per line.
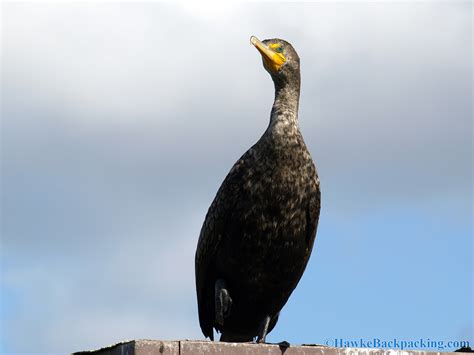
(235,338)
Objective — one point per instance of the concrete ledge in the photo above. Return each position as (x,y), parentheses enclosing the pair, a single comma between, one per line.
(196,347)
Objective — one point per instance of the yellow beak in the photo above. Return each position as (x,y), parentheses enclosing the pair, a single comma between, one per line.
(272,59)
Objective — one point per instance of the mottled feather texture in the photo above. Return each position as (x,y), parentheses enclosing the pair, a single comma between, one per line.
(259,230)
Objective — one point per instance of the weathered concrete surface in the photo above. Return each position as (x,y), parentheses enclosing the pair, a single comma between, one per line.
(195,347)
(138,347)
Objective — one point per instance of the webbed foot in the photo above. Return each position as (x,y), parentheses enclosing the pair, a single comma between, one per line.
(262,333)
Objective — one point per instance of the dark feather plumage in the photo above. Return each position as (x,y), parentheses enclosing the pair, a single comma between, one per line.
(259,231)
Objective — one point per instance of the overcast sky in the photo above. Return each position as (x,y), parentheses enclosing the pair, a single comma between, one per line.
(120,121)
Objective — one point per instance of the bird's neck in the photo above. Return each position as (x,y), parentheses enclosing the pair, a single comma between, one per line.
(284,116)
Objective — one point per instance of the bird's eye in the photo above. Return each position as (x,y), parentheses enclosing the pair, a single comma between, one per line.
(279,49)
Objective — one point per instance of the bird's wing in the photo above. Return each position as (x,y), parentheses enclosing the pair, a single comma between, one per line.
(212,232)
(312,214)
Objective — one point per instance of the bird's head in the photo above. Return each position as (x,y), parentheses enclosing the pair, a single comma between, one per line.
(279,59)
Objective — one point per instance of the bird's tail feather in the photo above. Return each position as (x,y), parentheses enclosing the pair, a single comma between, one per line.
(235,338)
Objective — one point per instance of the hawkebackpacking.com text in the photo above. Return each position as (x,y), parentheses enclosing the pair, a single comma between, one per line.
(422,343)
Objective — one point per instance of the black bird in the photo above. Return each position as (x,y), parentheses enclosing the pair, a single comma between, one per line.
(259,231)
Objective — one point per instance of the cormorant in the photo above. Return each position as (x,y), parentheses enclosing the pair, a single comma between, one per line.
(259,231)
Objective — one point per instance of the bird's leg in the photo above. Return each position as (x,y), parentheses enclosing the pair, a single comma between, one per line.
(223,302)
(262,333)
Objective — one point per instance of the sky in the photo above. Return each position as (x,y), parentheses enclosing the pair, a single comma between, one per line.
(120,121)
